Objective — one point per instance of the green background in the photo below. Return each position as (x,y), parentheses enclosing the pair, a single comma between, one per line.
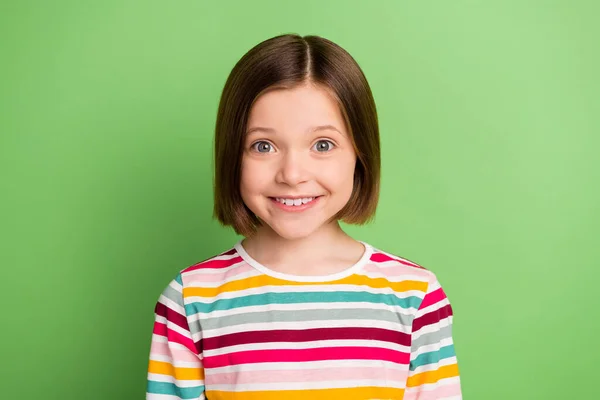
(490,134)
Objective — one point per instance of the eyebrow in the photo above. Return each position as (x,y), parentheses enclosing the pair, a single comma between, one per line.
(311,130)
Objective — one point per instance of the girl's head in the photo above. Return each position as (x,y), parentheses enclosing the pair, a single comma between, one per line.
(296,124)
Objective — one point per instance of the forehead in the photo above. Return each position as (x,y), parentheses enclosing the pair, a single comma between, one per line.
(296,108)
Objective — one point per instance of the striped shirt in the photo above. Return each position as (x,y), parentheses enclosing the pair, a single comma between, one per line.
(230,328)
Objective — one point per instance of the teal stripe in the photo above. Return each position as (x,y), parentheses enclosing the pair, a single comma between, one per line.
(179,280)
(432,357)
(302,297)
(174,390)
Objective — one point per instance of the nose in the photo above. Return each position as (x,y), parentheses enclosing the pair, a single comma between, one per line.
(293,169)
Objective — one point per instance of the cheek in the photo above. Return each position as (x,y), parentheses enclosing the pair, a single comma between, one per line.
(252,177)
(340,177)
(348,179)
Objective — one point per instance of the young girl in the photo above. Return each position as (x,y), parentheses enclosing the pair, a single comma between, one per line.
(298,309)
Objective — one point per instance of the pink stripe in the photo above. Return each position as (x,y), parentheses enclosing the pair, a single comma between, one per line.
(308,375)
(172,336)
(439,393)
(214,264)
(160,329)
(162,348)
(396,273)
(380,257)
(432,298)
(304,355)
(219,276)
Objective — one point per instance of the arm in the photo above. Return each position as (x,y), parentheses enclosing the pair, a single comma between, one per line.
(175,367)
(433,372)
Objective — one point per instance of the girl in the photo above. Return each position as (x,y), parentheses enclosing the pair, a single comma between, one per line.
(298,309)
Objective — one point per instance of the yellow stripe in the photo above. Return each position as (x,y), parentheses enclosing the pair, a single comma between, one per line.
(180,373)
(447,371)
(359,393)
(263,280)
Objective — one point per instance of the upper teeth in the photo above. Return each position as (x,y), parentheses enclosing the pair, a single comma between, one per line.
(294,202)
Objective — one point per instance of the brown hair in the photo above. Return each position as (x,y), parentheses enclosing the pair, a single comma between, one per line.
(287,61)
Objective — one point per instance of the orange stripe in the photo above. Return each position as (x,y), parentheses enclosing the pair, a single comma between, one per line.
(180,373)
(359,393)
(422,378)
(258,281)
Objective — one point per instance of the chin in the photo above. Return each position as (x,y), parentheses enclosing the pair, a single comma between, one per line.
(294,231)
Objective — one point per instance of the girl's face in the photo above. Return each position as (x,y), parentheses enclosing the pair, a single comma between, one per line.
(298,162)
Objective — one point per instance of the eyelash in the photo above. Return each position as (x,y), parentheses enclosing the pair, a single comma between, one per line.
(332,144)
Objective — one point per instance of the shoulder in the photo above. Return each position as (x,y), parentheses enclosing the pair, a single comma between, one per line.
(417,280)
(201,275)
(396,267)
(212,268)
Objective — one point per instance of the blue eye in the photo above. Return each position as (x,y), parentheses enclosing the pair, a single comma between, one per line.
(262,147)
(323,146)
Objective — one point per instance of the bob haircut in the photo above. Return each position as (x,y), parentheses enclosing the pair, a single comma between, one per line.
(285,62)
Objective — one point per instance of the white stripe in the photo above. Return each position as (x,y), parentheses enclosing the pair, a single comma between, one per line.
(184,383)
(155,396)
(434,284)
(301,325)
(159,338)
(431,347)
(396,269)
(430,387)
(432,328)
(434,307)
(194,278)
(434,366)
(171,304)
(338,384)
(174,327)
(295,366)
(225,279)
(172,345)
(175,285)
(174,362)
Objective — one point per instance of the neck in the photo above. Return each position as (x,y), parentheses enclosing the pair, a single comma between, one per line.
(292,255)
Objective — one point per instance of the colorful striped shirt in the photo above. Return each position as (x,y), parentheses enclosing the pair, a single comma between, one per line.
(231,328)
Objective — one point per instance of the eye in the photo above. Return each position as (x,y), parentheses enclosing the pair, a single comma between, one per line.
(262,147)
(323,146)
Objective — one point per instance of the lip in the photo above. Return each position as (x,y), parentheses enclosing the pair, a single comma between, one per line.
(300,208)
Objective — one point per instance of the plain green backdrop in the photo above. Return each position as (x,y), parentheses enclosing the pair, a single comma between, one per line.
(490,133)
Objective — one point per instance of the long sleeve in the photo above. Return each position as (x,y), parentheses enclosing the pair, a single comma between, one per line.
(175,366)
(433,372)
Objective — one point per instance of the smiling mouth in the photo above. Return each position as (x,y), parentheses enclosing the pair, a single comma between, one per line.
(296,202)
